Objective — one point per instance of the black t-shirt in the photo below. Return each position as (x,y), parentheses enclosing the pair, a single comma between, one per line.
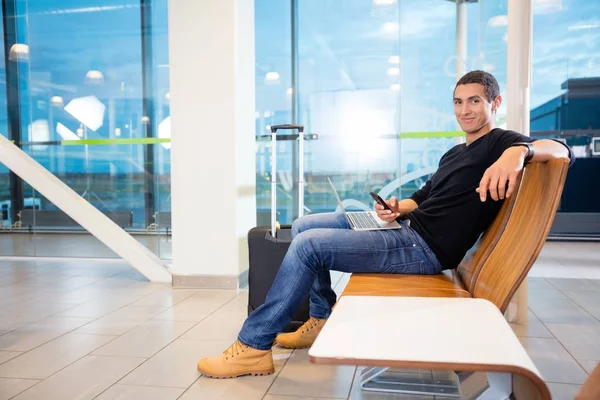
(451,217)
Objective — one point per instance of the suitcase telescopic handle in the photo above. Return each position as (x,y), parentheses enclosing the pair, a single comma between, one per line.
(274,129)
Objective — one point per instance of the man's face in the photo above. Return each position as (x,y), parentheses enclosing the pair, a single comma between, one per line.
(471,107)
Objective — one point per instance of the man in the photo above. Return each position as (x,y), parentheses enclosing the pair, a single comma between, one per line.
(440,223)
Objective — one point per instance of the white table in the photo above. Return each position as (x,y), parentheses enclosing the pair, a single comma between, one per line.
(459,334)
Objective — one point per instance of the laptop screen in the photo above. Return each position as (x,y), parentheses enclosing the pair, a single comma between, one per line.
(337,196)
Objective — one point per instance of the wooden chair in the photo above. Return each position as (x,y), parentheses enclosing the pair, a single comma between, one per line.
(493,270)
(450,283)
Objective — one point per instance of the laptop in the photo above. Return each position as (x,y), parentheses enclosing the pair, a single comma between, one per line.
(364,220)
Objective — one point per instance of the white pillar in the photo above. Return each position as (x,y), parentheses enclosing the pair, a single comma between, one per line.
(461,38)
(518,72)
(211,57)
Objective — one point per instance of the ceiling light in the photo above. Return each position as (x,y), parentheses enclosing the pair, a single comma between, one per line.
(272,78)
(384,2)
(498,20)
(393,71)
(395,87)
(547,6)
(94,77)
(19,52)
(390,27)
(394,59)
(56,101)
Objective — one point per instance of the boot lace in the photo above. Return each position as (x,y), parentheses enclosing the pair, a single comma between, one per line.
(310,324)
(234,350)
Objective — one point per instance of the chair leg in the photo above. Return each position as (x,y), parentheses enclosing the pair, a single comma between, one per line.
(485,386)
(382,379)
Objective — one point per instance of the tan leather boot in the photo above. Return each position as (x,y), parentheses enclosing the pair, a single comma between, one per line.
(303,337)
(236,361)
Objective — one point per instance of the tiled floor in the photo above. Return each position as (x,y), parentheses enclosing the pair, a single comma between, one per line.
(73,330)
(44,244)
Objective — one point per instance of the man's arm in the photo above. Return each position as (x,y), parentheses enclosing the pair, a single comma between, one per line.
(405,206)
(508,167)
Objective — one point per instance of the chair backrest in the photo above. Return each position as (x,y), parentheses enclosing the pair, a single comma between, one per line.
(472,263)
(525,232)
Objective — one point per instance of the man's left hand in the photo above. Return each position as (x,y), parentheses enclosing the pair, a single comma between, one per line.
(505,170)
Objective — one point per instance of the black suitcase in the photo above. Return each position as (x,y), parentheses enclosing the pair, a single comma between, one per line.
(266,251)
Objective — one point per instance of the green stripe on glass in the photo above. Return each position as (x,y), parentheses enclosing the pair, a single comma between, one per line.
(95,142)
(427,135)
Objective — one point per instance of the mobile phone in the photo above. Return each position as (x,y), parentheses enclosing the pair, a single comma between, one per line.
(378,199)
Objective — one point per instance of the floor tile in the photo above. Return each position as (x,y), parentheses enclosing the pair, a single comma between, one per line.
(145,340)
(553,361)
(24,314)
(127,392)
(8,355)
(238,303)
(165,298)
(534,283)
(588,365)
(53,356)
(533,328)
(38,333)
(283,397)
(560,310)
(589,300)
(193,309)
(100,307)
(300,377)
(563,391)
(221,325)
(10,387)
(574,284)
(83,380)
(175,365)
(242,388)
(582,341)
(120,321)
(215,293)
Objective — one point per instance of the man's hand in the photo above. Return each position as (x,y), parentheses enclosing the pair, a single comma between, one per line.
(505,170)
(387,215)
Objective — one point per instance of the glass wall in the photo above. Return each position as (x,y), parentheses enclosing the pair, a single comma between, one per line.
(89,97)
(565,99)
(373,80)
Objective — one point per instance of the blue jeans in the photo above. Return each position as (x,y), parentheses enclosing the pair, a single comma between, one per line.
(324,242)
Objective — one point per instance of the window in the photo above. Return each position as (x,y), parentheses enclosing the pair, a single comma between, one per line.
(374,82)
(93,100)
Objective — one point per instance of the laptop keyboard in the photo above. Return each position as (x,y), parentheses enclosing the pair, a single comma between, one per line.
(364,220)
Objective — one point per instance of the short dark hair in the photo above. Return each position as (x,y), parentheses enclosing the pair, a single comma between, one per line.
(490,84)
